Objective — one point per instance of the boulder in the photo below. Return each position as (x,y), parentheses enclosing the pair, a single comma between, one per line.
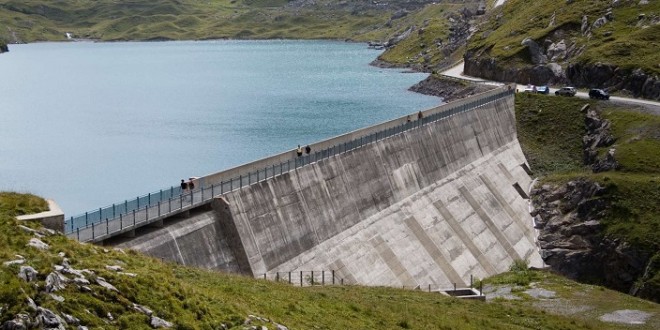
(557,51)
(599,23)
(157,322)
(585,25)
(535,51)
(37,243)
(27,273)
(54,283)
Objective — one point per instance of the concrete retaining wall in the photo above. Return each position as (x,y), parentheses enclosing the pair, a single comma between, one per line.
(430,206)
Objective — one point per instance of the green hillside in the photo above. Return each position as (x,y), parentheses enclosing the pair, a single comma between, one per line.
(550,130)
(630,39)
(199,299)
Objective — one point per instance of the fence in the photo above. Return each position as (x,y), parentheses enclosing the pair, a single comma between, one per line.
(117,218)
(328,277)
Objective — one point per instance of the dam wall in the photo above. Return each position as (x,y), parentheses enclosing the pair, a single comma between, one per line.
(432,205)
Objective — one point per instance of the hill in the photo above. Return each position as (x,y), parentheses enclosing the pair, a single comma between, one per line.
(50,281)
(591,43)
(597,204)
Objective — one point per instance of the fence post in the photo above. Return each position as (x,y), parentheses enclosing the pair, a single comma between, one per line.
(429,287)
(289,277)
(454,286)
(323,277)
(301,279)
(78,233)
(264,276)
(312,282)
(470,281)
(333,277)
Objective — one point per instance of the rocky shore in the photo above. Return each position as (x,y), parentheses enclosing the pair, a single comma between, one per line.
(448,89)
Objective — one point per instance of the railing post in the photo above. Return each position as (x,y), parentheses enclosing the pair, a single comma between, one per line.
(240,181)
(100,214)
(289,277)
(333,277)
(71,224)
(78,233)
(133,217)
(138,202)
(213,190)
(113,211)
(93,231)
(301,279)
(107,227)
(121,221)
(149,199)
(323,277)
(159,208)
(429,287)
(86,224)
(312,282)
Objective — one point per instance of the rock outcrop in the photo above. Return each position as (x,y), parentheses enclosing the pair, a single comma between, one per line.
(601,75)
(448,89)
(598,136)
(573,241)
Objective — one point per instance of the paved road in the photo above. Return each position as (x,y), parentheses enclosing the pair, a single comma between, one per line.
(652,106)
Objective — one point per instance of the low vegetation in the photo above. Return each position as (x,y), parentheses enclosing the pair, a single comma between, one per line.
(200,299)
(629,40)
(550,130)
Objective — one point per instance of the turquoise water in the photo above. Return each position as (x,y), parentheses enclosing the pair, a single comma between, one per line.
(91,124)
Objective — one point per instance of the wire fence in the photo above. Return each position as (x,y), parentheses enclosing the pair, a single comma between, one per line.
(119,217)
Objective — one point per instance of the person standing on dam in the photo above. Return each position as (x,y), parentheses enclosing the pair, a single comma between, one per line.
(184,186)
(299,151)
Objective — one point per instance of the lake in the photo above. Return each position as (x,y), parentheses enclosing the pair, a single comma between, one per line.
(90,124)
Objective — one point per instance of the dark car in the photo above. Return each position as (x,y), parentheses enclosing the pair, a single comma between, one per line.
(598,94)
(542,89)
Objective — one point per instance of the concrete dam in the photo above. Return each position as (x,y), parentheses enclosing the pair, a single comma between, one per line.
(433,205)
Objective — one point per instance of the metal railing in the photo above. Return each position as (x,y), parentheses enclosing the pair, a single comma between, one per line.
(121,217)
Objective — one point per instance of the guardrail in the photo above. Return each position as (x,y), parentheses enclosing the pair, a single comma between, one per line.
(121,217)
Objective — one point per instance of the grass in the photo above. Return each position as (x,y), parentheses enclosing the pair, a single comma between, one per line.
(624,42)
(15,204)
(550,130)
(203,299)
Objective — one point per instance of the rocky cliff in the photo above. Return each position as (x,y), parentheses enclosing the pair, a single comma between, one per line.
(604,44)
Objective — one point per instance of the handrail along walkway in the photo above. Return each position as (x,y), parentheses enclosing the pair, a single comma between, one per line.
(122,217)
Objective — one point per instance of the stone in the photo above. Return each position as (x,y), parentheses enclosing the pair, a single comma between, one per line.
(114,268)
(585,25)
(643,2)
(557,51)
(101,281)
(57,298)
(70,320)
(13,262)
(599,23)
(157,322)
(127,274)
(535,51)
(54,283)
(37,243)
(110,317)
(280,327)
(142,309)
(49,320)
(20,322)
(80,327)
(81,281)
(31,304)
(27,273)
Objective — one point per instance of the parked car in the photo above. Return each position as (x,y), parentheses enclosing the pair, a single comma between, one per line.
(598,94)
(529,89)
(542,89)
(566,91)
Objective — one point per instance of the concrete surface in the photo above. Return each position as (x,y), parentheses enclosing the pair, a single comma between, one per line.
(51,219)
(430,206)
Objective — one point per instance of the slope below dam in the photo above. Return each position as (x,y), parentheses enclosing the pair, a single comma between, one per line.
(434,205)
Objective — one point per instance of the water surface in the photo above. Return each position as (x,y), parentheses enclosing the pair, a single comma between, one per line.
(91,124)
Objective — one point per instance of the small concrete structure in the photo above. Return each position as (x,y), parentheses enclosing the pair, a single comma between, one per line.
(51,219)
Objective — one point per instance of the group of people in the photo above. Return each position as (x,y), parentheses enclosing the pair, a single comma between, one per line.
(185,186)
(299,150)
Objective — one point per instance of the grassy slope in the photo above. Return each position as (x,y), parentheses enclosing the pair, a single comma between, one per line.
(550,130)
(628,46)
(36,20)
(200,299)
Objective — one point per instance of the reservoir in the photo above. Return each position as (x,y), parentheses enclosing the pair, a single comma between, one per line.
(90,124)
